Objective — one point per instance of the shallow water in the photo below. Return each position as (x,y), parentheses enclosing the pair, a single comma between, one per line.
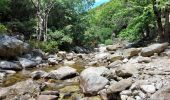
(25,74)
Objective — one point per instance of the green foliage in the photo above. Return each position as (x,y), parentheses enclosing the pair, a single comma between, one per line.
(129,20)
(3,29)
(108,42)
(60,37)
(47,46)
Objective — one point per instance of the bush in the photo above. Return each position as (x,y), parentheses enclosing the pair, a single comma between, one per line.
(3,29)
(108,42)
(47,46)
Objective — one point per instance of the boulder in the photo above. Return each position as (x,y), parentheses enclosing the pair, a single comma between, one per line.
(10,66)
(38,52)
(94,70)
(126,70)
(128,53)
(11,47)
(115,57)
(26,63)
(63,73)
(166,53)
(114,47)
(102,55)
(119,86)
(141,59)
(148,88)
(37,74)
(91,81)
(70,56)
(115,64)
(154,48)
(37,59)
(111,48)
(52,61)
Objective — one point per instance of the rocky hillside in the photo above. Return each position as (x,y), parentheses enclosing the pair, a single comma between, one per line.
(110,73)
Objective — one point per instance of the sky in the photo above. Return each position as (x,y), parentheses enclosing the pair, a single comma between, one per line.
(99,2)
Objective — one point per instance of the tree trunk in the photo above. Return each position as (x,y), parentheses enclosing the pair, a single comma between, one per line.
(167,23)
(157,13)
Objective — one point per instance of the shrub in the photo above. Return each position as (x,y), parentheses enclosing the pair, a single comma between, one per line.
(3,29)
(108,42)
(47,46)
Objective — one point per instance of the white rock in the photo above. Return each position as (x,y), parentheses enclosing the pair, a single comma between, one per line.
(148,88)
(123,97)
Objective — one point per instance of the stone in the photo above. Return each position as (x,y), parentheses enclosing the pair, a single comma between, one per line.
(162,94)
(70,56)
(91,81)
(38,53)
(26,63)
(38,74)
(2,77)
(126,70)
(154,48)
(94,70)
(128,53)
(20,88)
(148,88)
(138,98)
(47,97)
(37,59)
(52,61)
(141,59)
(91,84)
(123,97)
(112,47)
(115,64)
(11,47)
(10,66)
(50,93)
(69,63)
(64,72)
(102,48)
(93,63)
(119,86)
(102,55)
(115,57)
(142,95)
(126,92)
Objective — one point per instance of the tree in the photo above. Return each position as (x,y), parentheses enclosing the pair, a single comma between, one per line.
(43,8)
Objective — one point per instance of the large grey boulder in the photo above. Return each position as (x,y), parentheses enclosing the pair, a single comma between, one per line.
(154,48)
(63,73)
(10,66)
(92,81)
(26,63)
(11,47)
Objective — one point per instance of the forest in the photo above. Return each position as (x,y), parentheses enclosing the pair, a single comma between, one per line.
(84,50)
(70,23)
